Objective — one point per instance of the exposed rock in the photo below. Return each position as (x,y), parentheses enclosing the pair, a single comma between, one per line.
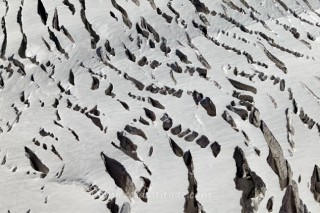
(291,201)
(191,136)
(241,112)
(167,122)
(254,117)
(191,204)
(119,174)
(112,206)
(203,141)
(207,104)
(135,131)
(42,12)
(35,162)
(315,183)
(142,194)
(150,114)
(227,117)
(125,208)
(155,103)
(276,158)
(197,97)
(176,130)
(242,86)
(270,204)
(215,148)
(175,148)
(252,186)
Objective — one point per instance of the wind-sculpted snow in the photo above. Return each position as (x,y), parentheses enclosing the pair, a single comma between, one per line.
(159,106)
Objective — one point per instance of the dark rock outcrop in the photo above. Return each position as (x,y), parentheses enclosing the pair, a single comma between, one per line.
(252,186)
(315,183)
(119,174)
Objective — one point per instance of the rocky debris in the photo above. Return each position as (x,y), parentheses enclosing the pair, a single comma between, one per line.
(166,122)
(42,12)
(95,83)
(95,120)
(203,141)
(55,20)
(215,148)
(150,151)
(165,90)
(67,34)
(155,103)
(241,112)
(291,201)
(175,67)
(35,162)
(143,61)
(112,206)
(56,41)
(306,119)
(242,86)
(276,61)
(143,32)
(127,146)
(295,106)
(176,130)
(208,105)
(142,194)
(163,46)
(183,58)
(282,85)
(54,151)
(124,104)
(109,90)
(154,64)
(197,97)
(150,114)
(254,117)
(270,204)
(175,148)
(191,204)
(139,85)
(119,174)
(202,72)
(130,55)
(124,13)
(167,17)
(153,5)
(228,118)
(243,97)
(252,186)
(315,183)
(23,46)
(276,158)
(5,39)
(143,121)
(135,131)
(125,208)
(145,25)
(44,133)
(71,77)
(70,6)
(191,136)
(200,7)
(290,129)
(169,5)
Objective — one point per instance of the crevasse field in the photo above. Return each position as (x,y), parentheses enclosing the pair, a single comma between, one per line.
(139,106)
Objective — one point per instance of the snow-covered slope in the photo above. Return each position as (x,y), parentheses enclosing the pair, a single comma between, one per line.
(159,106)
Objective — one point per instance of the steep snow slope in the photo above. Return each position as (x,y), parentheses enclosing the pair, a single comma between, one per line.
(159,106)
